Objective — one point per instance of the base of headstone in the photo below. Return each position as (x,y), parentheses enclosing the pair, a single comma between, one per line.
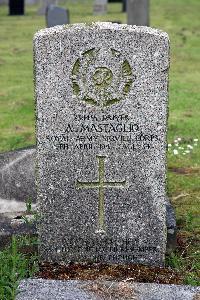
(40,289)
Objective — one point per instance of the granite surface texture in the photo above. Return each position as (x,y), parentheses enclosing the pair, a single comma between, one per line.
(40,289)
(102,98)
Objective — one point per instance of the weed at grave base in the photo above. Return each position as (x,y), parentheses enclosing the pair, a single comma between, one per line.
(16,265)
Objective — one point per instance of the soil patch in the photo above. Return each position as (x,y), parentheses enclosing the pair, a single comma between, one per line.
(136,273)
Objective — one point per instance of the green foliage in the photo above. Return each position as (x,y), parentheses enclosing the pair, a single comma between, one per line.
(14,266)
(189,221)
(191,279)
(175,261)
(187,263)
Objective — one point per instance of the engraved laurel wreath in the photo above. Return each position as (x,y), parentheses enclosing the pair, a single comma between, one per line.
(101,77)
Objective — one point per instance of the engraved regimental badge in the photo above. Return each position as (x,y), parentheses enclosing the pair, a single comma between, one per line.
(101,77)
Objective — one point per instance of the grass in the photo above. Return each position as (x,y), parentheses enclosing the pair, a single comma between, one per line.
(180,19)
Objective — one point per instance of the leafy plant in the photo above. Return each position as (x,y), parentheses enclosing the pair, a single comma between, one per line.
(14,266)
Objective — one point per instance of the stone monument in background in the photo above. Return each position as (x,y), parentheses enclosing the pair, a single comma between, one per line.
(56,16)
(44,4)
(102,101)
(100,7)
(138,12)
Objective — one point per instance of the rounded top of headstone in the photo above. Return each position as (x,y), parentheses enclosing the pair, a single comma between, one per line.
(101,26)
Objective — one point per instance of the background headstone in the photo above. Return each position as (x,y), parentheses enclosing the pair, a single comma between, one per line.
(16,7)
(56,16)
(2,2)
(138,12)
(44,4)
(124,5)
(100,7)
(102,93)
(31,2)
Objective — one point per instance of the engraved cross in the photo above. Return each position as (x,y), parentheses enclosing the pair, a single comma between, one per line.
(101,185)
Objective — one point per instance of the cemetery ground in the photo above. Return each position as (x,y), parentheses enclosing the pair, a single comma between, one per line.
(17,122)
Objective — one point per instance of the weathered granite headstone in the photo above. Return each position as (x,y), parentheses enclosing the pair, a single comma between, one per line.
(56,16)
(138,12)
(102,95)
(100,7)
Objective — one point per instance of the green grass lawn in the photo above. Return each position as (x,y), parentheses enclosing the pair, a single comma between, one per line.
(180,19)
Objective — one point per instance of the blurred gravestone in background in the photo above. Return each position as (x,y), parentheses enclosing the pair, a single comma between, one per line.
(56,16)
(31,2)
(16,7)
(2,2)
(138,12)
(44,4)
(100,7)
(124,4)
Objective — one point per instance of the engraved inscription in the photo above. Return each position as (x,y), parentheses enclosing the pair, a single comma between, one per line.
(101,185)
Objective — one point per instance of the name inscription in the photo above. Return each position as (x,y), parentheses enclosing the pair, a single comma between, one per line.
(102,132)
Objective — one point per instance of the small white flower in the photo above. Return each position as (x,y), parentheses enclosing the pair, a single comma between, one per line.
(176,145)
(184,153)
(175,141)
(169,145)
(178,139)
(181,148)
(195,144)
(175,152)
(195,140)
(189,146)
(187,151)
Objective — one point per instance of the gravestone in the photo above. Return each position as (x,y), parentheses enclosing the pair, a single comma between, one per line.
(138,12)
(31,2)
(100,7)
(124,4)
(102,94)
(2,2)
(56,16)
(16,7)
(44,4)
